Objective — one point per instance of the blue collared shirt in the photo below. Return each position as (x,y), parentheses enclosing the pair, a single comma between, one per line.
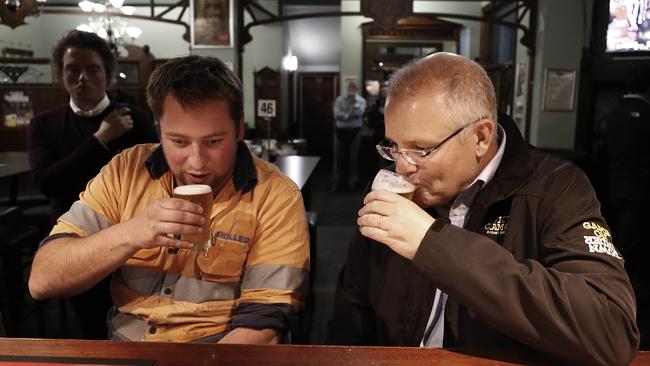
(348,111)
(458,215)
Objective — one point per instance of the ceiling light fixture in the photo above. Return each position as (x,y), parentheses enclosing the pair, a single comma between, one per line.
(105,21)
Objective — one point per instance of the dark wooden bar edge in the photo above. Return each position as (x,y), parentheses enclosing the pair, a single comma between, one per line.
(168,354)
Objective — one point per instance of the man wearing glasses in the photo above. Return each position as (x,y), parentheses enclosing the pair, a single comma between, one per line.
(501,246)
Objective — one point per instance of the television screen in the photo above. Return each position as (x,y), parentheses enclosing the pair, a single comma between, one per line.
(629,26)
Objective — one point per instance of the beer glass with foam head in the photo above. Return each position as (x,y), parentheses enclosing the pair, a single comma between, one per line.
(393,182)
(200,194)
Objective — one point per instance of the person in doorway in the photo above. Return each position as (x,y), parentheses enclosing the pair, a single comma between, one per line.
(248,286)
(502,245)
(69,144)
(348,115)
(376,119)
(376,123)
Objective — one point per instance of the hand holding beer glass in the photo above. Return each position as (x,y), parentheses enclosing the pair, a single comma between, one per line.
(390,181)
(398,223)
(393,182)
(200,194)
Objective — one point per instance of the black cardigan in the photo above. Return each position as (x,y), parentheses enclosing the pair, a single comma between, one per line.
(64,155)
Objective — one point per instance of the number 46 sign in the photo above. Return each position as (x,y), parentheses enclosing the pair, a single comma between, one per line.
(266,108)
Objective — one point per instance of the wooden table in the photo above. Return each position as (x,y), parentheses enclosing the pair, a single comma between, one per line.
(299,169)
(12,165)
(168,354)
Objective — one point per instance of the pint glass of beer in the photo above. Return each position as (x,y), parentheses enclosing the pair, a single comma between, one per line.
(393,182)
(200,194)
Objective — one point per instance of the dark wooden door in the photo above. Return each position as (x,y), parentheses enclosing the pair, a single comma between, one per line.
(316,95)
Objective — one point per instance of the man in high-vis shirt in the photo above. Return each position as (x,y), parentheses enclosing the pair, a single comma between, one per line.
(247,287)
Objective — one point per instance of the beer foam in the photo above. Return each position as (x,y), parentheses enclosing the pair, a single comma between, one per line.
(390,181)
(192,189)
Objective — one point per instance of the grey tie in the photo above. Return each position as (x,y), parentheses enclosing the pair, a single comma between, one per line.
(464,199)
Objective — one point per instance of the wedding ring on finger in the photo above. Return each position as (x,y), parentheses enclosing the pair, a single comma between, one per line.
(379,222)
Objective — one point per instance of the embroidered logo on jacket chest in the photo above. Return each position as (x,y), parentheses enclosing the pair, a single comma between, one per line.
(600,241)
(498,226)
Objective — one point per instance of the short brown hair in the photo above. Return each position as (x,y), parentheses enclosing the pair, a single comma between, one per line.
(465,86)
(193,80)
(83,40)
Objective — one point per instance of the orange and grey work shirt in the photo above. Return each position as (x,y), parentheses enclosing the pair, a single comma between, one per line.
(254,274)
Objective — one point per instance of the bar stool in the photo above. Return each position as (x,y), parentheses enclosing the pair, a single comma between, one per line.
(3,333)
(301,330)
(17,243)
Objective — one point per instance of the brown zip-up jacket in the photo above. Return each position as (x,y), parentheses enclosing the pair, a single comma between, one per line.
(534,268)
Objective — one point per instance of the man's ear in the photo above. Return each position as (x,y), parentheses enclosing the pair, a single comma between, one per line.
(485,130)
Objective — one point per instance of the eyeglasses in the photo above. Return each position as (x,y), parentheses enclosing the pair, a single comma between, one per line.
(415,156)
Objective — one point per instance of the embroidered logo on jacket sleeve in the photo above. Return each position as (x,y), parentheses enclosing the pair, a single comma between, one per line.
(600,241)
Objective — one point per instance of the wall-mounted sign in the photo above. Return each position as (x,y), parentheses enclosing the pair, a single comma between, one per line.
(16,108)
(559,90)
(266,108)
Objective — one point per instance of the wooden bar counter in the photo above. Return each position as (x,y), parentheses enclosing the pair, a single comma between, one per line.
(168,354)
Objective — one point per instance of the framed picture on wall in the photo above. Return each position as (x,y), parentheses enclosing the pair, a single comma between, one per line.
(559,90)
(211,23)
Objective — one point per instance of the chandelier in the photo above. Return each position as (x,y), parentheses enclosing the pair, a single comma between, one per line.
(13,12)
(105,21)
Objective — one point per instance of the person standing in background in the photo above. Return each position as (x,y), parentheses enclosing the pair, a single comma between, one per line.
(348,115)
(376,119)
(627,132)
(376,123)
(69,144)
